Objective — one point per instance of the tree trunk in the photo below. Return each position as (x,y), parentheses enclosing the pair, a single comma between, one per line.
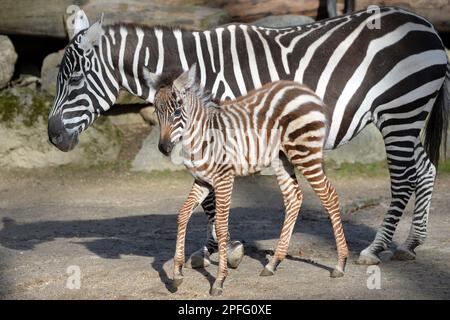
(251,10)
(46,17)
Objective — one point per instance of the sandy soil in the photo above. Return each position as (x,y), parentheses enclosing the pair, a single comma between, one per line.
(119,229)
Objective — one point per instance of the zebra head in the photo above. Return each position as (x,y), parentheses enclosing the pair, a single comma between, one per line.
(171,105)
(82,93)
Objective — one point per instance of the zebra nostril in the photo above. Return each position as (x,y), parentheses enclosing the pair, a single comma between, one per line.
(57,139)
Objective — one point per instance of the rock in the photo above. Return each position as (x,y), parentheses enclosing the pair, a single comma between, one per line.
(129,119)
(27,81)
(149,115)
(24,141)
(49,71)
(367,147)
(125,97)
(283,21)
(8,58)
(150,159)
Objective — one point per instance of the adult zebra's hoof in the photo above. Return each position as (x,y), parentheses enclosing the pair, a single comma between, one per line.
(199,259)
(235,254)
(336,273)
(367,259)
(402,254)
(176,282)
(266,272)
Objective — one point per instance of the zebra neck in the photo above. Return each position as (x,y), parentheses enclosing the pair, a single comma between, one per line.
(161,50)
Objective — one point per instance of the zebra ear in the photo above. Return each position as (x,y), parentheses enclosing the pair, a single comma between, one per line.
(92,36)
(187,79)
(152,79)
(76,22)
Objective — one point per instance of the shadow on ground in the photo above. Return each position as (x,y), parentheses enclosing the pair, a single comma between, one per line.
(154,235)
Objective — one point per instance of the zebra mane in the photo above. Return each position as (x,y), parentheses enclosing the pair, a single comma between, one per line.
(166,80)
(204,96)
(147,27)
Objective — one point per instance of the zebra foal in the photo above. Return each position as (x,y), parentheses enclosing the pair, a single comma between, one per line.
(282,125)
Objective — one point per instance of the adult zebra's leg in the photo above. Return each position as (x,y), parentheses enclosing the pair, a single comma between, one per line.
(292,197)
(426,173)
(402,170)
(201,257)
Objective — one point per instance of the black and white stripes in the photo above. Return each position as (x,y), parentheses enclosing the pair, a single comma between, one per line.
(390,76)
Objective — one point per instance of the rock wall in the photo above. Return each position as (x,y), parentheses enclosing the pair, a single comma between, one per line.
(23,135)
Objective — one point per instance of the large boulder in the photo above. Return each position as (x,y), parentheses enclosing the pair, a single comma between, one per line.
(8,58)
(49,71)
(23,132)
(367,147)
(283,21)
(150,159)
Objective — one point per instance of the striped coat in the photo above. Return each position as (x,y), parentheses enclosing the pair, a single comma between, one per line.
(282,125)
(386,66)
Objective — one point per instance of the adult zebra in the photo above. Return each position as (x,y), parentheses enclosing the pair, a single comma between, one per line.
(394,75)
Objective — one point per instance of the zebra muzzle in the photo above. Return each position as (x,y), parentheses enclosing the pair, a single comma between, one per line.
(60,137)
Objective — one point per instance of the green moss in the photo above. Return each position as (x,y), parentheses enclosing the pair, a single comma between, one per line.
(12,110)
(40,107)
(9,107)
(163,174)
(444,167)
(376,169)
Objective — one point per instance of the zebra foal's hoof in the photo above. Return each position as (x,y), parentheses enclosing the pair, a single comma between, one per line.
(235,254)
(217,288)
(402,254)
(336,273)
(199,259)
(266,272)
(215,292)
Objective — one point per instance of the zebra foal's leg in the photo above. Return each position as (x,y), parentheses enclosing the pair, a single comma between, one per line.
(330,200)
(426,173)
(292,197)
(201,257)
(196,195)
(223,188)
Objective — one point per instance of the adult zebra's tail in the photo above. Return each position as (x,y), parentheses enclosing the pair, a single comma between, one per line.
(437,124)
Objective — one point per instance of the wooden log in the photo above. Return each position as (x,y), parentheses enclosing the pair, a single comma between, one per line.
(436,11)
(45,17)
(251,10)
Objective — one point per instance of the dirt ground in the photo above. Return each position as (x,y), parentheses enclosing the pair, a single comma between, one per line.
(118,229)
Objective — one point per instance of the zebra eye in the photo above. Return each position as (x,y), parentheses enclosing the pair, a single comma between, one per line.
(177,113)
(75,79)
